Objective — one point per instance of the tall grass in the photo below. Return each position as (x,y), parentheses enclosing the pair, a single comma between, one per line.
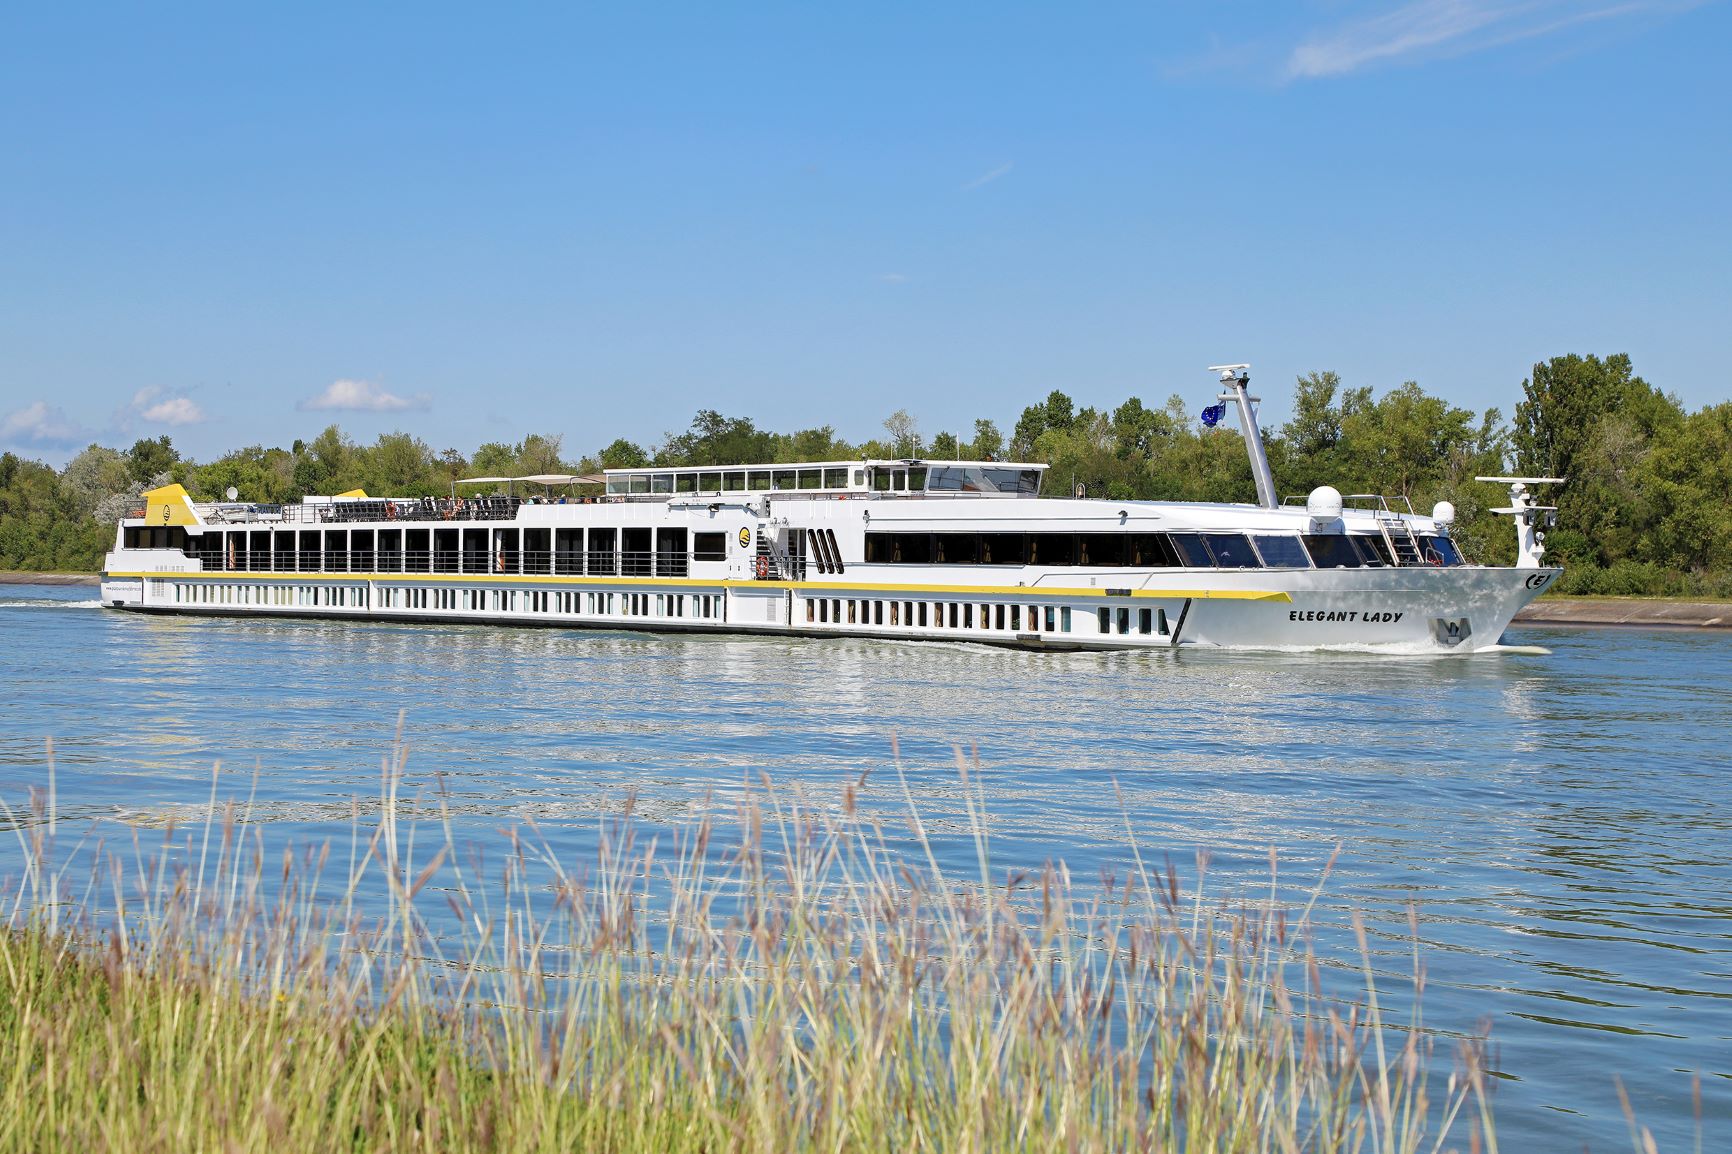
(777,975)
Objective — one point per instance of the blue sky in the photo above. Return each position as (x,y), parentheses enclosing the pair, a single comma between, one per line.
(236,225)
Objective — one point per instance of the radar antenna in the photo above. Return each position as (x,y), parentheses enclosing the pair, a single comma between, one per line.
(1531,519)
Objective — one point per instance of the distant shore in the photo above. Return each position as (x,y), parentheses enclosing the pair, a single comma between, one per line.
(1643,612)
(23,578)
(1632,611)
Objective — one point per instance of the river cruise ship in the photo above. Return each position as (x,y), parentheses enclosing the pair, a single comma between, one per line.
(913,549)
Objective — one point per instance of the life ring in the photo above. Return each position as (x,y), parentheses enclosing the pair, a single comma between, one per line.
(762,568)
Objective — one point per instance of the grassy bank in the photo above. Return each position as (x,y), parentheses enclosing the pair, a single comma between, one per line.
(776,977)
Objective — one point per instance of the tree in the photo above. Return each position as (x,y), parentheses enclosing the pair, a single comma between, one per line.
(904,434)
(988,441)
(714,439)
(623,454)
(148,458)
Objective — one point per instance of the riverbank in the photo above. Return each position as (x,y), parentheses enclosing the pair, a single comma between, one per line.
(850,998)
(1642,612)
(26,578)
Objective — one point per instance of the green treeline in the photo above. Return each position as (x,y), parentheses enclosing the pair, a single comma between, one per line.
(1647,510)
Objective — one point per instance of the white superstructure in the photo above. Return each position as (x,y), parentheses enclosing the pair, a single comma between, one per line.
(930,550)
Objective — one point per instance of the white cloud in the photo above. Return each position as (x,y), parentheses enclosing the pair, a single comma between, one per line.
(152,407)
(988,177)
(362,397)
(40,424)
(1425,28)
(893,277)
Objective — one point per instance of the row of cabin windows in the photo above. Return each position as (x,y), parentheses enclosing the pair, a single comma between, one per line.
(598,552)
(277,596)
(1147,550)
(675,605)
(994,617)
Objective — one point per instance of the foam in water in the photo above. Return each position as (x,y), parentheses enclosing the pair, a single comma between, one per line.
(48,603)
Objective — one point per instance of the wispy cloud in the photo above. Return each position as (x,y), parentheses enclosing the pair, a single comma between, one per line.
(41,425)
(1428,28)
(357,396)
(988,177)
(893,277)
(155,407)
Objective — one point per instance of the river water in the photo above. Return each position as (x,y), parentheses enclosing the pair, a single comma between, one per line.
(1563,820)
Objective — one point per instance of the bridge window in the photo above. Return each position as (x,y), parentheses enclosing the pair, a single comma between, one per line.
(978,479)
(1332,551)
(1281,551)
(835,478)
(1442,548)
(1232,551)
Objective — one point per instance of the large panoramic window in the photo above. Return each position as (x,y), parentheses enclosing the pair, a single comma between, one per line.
(1440,551)
(981,479)
(1333,551)
(1232,551)
(1282,551)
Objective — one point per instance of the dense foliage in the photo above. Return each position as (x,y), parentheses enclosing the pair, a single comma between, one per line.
(1648,506)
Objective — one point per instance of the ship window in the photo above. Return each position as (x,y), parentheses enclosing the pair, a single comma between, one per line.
(1016,617)
(968,616)
(1443,548)
(1232,551)
(671,552)
(1152,551)
(1050,548)
(1192,551)
(640,483)
(1373,550)
(1145,620)
(976,479)
(1124,620)
(1064,619)
(601,552)
(783,479)
(662,483)
(835,478)
(1332,551)
(859,478)
(916,480)
(811,479)
(685,482)
(709,482)
(733,482)
(1050,616)
(634,552)
(1105,615)
(881,480)
(1002,549)
(758,480)
(709,546)
(1281,551)
(957,548)
(1100,549)
(922,614)
(619,484)
(998,617)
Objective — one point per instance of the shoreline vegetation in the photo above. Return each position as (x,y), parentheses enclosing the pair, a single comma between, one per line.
(1643,512)
(796,974)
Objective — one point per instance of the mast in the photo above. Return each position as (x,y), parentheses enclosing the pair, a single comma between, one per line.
(1236,387)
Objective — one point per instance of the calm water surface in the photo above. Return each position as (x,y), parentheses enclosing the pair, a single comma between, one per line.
(1563,821)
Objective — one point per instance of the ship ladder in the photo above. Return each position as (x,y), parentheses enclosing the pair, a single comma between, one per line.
(1398,535)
